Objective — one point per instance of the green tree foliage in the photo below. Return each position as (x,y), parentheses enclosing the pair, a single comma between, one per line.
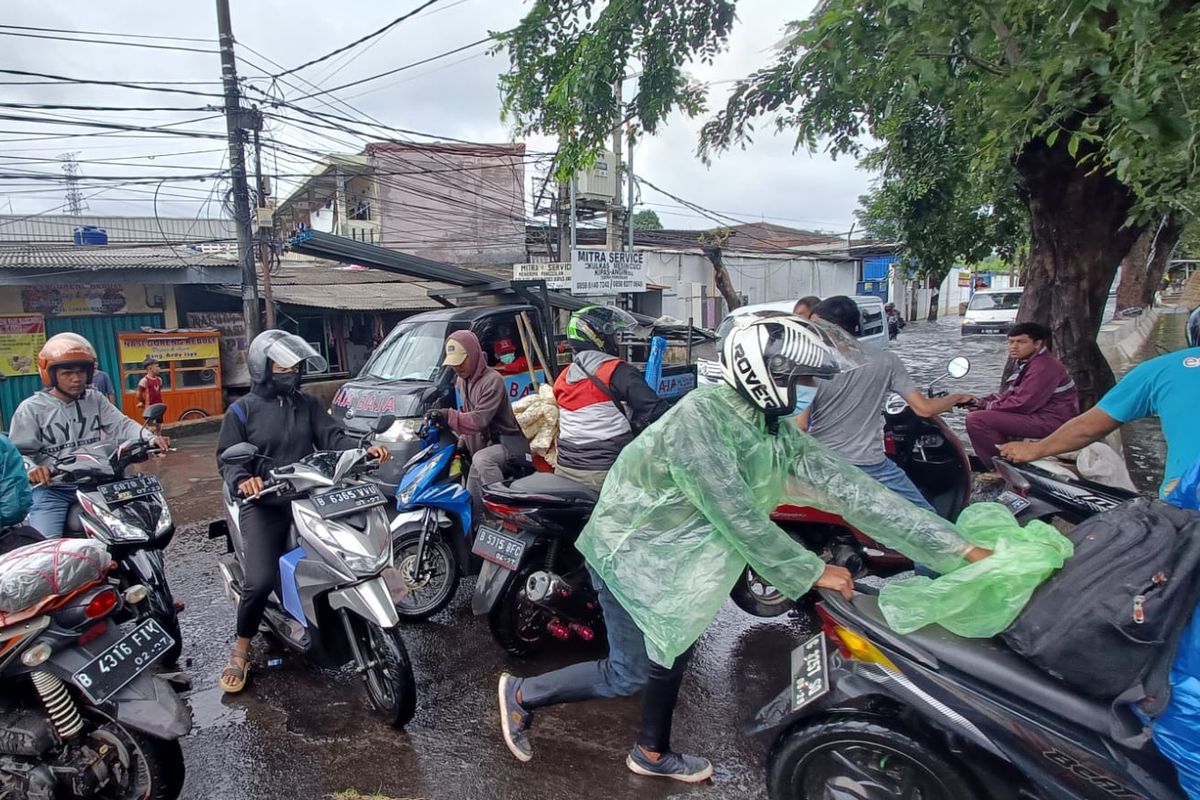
(646,220)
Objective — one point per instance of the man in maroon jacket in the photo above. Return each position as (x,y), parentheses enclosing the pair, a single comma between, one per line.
(1038,397)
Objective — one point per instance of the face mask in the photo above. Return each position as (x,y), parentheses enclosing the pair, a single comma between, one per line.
(285,382)
(508,358)
(804,399)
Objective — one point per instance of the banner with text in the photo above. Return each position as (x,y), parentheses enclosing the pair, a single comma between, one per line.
(607,272)
(168,347)
(234,342)
(556,274)
(21,337)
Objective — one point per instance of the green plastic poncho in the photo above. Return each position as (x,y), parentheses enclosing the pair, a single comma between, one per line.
(688,505)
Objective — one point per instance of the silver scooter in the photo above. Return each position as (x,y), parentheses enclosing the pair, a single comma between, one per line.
(332,602)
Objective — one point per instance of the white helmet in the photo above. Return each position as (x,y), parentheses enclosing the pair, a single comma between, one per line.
(285,349)
(762,357)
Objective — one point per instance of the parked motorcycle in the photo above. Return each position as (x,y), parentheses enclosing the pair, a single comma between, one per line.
(873,714)
(932,457)
(1039,491)
(80,715)
(333,603)
(129,515)
(533,585)
(431,533)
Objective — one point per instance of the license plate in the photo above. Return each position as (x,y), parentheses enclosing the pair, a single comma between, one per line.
(990,330)
(340,502)
(1015,503)
(108,672)
(130,489)
(499,548)
(810,672)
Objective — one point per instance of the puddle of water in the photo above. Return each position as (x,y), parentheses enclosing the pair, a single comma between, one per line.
(210,710)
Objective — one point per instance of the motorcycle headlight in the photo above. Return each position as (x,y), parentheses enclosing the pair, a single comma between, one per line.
(165,521)
(366,565)
(402,430)
(119,528)
(414,480)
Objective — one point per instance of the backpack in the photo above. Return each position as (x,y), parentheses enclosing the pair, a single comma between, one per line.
(1109,622)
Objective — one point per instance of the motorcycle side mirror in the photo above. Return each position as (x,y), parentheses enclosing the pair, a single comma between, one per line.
(155,413)
(958,367)
(241,453)
(384,423)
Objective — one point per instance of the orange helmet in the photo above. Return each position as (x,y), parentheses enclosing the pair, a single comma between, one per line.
(65,349)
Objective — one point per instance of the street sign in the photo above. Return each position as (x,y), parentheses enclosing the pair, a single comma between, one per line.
(607,272)
(556,274)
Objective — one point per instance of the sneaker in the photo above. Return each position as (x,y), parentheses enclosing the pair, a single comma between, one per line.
(689,769)
(514,720)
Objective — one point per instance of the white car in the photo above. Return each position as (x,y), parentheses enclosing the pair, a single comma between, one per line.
(992,311)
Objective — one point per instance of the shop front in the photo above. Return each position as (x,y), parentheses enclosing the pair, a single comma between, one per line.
(190,370)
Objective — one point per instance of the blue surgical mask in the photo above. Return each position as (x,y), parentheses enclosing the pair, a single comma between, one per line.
(804,399)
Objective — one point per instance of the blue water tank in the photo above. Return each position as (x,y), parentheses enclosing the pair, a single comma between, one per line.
(89,234)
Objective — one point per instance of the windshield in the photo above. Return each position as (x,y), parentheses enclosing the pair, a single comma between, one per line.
(412,353)
(1002,301)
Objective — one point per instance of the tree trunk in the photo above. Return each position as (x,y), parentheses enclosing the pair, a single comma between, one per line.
(724,283)
(1160,258)
(934,297)
(1143,269)
(1077,238)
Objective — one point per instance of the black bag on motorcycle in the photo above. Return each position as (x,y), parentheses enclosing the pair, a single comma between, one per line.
(1108,623)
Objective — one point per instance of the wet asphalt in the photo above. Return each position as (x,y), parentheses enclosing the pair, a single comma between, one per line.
(299,732)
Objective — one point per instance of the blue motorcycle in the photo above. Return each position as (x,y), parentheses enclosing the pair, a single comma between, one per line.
(433,529)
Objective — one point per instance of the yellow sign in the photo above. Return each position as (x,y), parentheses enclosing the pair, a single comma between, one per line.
(964,279)
(21,337)
(169,347)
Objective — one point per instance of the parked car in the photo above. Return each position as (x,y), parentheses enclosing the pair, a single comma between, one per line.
(992,311)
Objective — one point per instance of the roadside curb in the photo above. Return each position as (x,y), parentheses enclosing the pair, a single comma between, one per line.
(193,427)
(1120,340)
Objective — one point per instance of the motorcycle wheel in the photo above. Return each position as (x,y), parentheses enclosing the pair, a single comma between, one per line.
(391,686)
(859,759)
(433,587)
(518,626)
(156,765)
(755,596)
(161,608)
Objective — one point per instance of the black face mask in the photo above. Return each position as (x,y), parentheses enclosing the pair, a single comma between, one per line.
(285,382)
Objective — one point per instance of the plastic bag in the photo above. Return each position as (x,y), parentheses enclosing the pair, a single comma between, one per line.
(537,414)
(1099,462)
(1186,491)
(52,567)
(688,504)
(980,599)
(1177,730)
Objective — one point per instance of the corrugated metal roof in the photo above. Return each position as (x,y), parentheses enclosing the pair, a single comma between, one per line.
(331,284)
(106,257)
(60,229)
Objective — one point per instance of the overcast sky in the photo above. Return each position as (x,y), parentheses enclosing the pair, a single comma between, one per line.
(454,96)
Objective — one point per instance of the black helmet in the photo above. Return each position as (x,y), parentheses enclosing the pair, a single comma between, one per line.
(599,328)
(1193,328)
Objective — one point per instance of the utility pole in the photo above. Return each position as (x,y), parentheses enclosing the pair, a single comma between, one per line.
(236,119)
(614,208)
(266,227)
(75,202)
(629,209)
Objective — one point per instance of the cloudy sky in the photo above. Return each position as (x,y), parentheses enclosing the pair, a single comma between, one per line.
(135,172)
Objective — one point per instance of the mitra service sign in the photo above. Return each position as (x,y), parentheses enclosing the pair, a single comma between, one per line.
(607,272)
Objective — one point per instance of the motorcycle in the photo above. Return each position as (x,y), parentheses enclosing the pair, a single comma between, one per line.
(431,533)
(80,715)
(533,585)
(333,600)
(932,457)
(873,714)
(129,516)
(1041,491)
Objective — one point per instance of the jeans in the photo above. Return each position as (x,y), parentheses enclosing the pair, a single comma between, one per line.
(624,672)
(891,476)
(658,703)
(49,510)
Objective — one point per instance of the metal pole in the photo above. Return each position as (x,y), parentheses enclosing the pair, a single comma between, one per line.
(629,209)
(234,124)
(264,246)
(573,220)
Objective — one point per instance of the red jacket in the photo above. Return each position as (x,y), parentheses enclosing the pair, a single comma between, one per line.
(1040,385)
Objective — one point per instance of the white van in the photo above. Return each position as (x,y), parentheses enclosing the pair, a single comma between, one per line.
(992,311)
(872,323)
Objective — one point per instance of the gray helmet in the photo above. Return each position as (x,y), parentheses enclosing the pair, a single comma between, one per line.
(285,349)
(1193,328)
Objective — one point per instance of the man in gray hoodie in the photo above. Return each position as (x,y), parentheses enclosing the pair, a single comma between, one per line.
(60,419)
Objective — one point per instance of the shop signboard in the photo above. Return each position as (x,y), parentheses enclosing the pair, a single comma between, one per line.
(607,272)
(21,337)
(233,343)
(74,299)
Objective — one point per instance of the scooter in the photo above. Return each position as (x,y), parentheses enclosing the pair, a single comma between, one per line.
(1039,491)
(869,713)
(80,714)
(431,533)
(932,457)
(333,602)
(129,516)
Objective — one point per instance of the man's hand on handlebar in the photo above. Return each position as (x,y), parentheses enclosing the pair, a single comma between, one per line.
(839,579)
(380,452)
(40,476)
(251,487)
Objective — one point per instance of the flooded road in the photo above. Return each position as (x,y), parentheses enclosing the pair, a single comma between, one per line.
(300,733)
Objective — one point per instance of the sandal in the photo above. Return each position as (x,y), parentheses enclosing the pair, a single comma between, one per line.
(233,677)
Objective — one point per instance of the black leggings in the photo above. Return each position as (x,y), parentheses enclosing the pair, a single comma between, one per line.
(658,703)
(264,535)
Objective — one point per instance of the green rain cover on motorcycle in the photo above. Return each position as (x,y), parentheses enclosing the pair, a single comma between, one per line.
(688,505)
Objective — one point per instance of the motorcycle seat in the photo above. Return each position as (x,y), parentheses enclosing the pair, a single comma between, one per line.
(73,526)
(541,488)
(990,661)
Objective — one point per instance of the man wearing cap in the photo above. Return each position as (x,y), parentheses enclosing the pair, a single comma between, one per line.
(484,419)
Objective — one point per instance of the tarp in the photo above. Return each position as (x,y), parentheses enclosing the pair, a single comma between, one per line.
(32,573)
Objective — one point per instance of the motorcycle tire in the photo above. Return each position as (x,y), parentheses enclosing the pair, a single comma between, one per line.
(757,597)
(813,760)
(391,685)
(517,626)
(424,600)
(158,763)
(160,606)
